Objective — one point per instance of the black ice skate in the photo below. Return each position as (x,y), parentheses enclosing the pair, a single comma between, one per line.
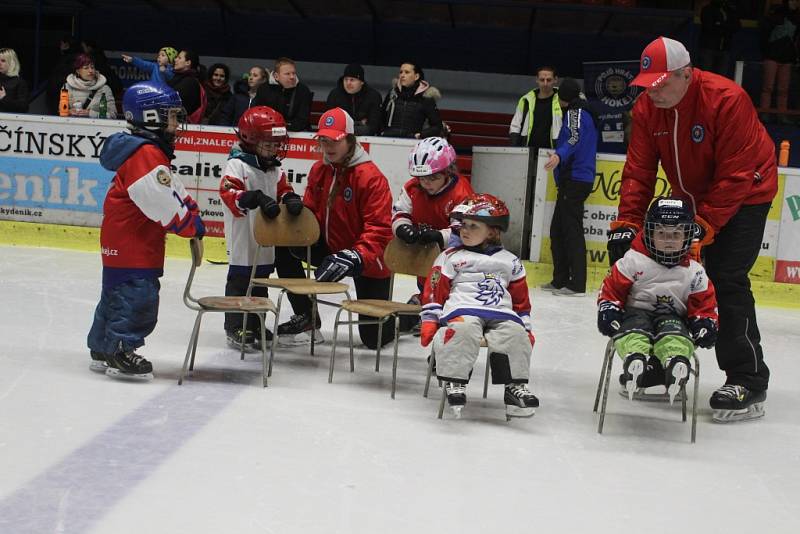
(675,375)
(128,365)
(651,379)
(98,364)
(632,371)
(732,403)
(520,402)
(252,340)
(456,396)
(297,331)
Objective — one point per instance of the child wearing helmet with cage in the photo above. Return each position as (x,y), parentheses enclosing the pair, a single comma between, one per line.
(252,182)
(478,290)
(421,214)
(658,302)
(144,203)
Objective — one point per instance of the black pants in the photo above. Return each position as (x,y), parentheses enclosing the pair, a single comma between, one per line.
(288,263)
(728,260)
(236,286)
(566,235)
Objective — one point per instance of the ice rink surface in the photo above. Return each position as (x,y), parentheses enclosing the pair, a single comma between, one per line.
(84,453)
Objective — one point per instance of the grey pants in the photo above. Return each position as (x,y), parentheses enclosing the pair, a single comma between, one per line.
(456,347)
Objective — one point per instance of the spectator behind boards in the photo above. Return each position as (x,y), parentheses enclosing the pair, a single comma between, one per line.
(287,95)
(89,95)
(361,101)
(161,69)
(218,94)
(244,92)
(186,81)
(14,93)
(410,104)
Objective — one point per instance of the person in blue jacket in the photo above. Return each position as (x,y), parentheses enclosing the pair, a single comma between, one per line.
(573,166)
(161,69)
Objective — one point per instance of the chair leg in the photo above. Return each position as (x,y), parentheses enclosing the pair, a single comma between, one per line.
(333,343)
(609,364)
(394,360)
(379,342)
(431,360)
(274,336)
(313,322)
(264,371)
(194,345)
(189,350)
(694,399)
(609,347)
(486,376)
(441,402)
(244,329)
(350,333)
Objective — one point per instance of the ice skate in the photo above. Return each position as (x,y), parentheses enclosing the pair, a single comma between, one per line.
(676,374)
(732,403)
(297,331)
(456,397)
(651,387)
(520,402)
(632,370)
(98,364)
(129,365)
(252,340)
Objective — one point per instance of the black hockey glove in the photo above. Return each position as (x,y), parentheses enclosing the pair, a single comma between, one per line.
(257,199)
(429,234)
(704,332)
(336,266)
(619,241)
(408,233)
(609,318)
(293,203)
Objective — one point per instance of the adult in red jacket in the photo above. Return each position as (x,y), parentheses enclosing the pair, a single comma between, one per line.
(703,130)
(351,199)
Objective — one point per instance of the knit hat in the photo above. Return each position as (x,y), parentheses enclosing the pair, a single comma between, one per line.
(354,70)
(81,60)
(171,53)
(568,90)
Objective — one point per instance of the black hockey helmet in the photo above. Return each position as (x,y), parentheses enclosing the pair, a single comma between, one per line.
(670,221)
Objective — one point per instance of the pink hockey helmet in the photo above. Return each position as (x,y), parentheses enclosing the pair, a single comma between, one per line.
(429,156)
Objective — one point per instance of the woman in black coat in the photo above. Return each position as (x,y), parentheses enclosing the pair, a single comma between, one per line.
(410,104)
(14,94)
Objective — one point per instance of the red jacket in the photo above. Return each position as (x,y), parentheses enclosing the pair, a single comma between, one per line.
(357,214)
(714,150)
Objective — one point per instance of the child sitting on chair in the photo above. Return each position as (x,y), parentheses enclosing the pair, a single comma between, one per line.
(658,300)
(251,182)
(478,290)
(422,212)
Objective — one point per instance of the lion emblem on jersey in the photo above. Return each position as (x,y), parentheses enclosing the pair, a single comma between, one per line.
(163,177)
(490,290)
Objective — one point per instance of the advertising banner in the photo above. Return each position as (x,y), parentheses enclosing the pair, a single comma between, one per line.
(787,265)
(607,87)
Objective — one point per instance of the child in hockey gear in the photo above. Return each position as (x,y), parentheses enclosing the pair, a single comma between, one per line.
(250,185)
(145,202)
(475,290)
(422,212)
(658,300)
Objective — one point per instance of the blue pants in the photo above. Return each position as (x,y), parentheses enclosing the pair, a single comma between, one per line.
(125,315)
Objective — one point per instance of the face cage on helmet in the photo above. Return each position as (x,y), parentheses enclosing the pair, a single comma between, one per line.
(668,258)
(163,121)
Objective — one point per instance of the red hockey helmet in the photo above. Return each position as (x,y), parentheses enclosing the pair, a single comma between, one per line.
(487,209)
(262,124)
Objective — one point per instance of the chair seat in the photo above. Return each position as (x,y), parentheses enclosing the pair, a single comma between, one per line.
(249,304)
(379,308)
(302,286)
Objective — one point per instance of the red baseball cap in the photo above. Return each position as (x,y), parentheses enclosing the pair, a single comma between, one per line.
(659,58)
(335,123)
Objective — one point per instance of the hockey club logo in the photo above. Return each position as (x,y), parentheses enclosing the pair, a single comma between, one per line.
(163,177)
(698,133)
(329,121)
(646,62)
(348,194)
(491,291)
(516,267)
(613,87)
(435,276)
(698,281)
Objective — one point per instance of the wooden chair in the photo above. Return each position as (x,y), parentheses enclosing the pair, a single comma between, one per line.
(287,230)
(400,258)
(244,305)
(605,377)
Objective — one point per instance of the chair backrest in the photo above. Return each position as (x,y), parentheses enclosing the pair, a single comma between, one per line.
(196,247)
(287,230)
(416,259)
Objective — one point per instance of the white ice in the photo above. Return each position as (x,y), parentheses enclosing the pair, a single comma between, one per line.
(81,452)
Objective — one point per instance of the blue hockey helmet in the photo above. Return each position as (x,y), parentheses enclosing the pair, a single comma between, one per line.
(148,105)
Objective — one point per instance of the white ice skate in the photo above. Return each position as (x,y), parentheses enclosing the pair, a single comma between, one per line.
(632,369)
(677,371)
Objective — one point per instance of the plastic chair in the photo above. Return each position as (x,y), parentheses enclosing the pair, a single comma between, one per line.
(400,258)
(605,377)
(287,230)
(245,305)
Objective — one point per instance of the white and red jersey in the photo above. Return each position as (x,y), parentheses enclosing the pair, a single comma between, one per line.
(416,206)
(638,281)
(489,284)
(242,175)
(145,202)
